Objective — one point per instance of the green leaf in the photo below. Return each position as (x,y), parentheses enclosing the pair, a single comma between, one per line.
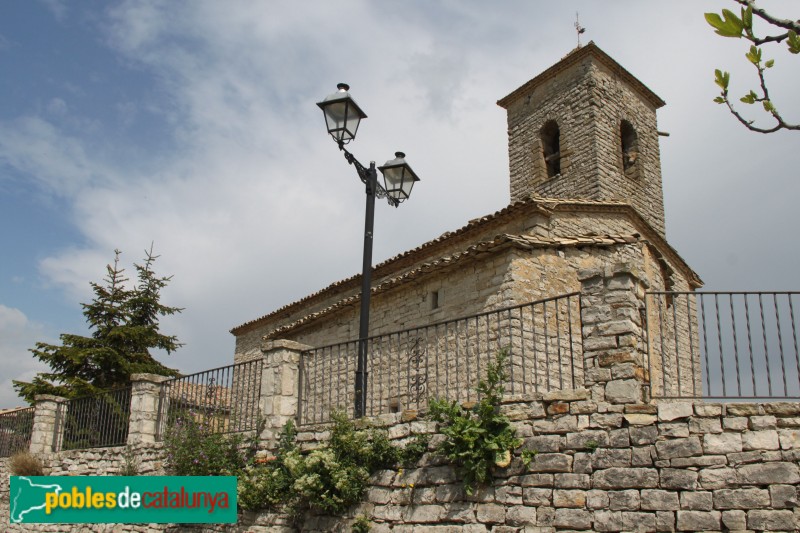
(719,100)
(748,99)
(768,107)
(722,79)
(747,18)
(730,26)
(793,42)
(754,55)
(769,63)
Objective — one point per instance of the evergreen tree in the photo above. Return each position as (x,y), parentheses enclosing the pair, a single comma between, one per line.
(124,325)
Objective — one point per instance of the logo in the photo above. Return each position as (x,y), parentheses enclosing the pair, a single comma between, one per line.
(122,500)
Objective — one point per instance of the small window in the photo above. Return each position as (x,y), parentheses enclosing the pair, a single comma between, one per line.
(434,299)
(630,145)
(551,148)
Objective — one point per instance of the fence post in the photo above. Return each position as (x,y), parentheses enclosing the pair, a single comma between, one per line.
(614,347)
(44,423)
(142,425)
(279,386)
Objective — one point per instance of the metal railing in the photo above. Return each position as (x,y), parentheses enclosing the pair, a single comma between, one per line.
(723,345)
(223,400)
(15,431)
(446,360)
(96,421)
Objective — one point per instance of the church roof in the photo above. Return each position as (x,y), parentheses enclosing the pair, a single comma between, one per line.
(393,269)
(575,57)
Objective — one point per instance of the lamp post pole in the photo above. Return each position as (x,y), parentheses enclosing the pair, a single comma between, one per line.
(366,290)
(342,116)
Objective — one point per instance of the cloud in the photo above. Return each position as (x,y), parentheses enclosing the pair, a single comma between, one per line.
(250,205)
(19,334)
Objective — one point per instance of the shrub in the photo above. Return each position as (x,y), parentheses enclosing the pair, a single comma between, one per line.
(478,438)
(129,466)
(191,449)
(329,479)
(26,464)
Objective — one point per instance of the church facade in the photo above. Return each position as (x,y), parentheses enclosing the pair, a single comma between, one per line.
(586,194)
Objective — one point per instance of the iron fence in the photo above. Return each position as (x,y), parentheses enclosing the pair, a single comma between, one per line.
(722,345)
(15,431)
(222,400)
(405,368)
(95,421)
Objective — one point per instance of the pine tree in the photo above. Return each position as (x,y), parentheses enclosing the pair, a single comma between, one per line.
(124,325)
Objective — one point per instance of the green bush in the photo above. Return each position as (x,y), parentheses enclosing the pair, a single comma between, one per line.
(192,449)
(479,438)
(329,479)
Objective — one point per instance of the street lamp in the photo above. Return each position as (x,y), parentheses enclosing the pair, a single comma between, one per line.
(342,117)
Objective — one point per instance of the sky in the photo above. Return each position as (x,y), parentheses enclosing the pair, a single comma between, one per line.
(193,126)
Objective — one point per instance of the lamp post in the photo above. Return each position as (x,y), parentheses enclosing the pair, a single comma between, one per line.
(342,117)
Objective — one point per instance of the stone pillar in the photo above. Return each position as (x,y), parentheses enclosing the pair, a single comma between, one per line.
(612,300)
(44,423)
(279,386)
(145,391)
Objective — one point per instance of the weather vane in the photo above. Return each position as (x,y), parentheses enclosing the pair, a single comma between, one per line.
(578,29)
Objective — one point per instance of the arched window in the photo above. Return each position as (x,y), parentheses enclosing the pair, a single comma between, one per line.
(630,145)
(551,148)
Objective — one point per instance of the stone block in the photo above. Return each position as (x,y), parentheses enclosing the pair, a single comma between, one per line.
(597,499)
(743,409)
(735,423)
(572,519)
(783,496)
(573,481)
(697,501)
(758,423)
(789,438)
(705,425)
(608,521)
(643,435)
(674,429)
(623,478)
(569,498)
(623,391)
(760,440)
(587,439)
(741,498)
(764,520)
(659,500)
(537,497)
(699,520)
(707,409)
(734,520)
(678,479)
(611,457)
(551,462)
(687,447)
(638,522)
(543,443)
(521,516)
(718,478)
(537,480)
(490,513)
(639,419)
(624,500)
(769,473)
(674,410)
(722,443)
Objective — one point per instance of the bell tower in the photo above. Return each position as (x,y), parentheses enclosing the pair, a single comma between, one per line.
(585,129)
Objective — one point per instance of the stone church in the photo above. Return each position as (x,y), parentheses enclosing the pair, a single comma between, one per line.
(586,194)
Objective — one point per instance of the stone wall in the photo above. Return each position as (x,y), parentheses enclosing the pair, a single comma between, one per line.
(93,462)
(600,466)
(605,467)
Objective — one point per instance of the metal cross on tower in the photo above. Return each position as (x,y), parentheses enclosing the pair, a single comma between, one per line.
(578,29)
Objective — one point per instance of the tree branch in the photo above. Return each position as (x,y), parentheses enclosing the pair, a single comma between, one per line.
(781,23)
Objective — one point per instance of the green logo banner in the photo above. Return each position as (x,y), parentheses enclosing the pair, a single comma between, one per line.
(122,500)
